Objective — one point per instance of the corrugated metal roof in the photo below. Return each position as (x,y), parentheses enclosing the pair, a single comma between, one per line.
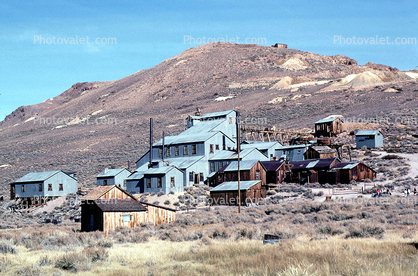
(326,120)
(231,155)
(110,172)
(37,176)
(312,163)
(323,149)
(183,162)
(120,205)
(184,138)
(244,165)
(259,145)
(233,185)
(205,126)
(136,175)
(367,132)
(345,165)
(291,147)
(217,114)
(161,170)
(271,166)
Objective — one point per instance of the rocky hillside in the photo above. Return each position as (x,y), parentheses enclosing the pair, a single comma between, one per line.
(93,125)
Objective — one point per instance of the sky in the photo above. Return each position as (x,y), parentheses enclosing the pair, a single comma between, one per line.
(47,46)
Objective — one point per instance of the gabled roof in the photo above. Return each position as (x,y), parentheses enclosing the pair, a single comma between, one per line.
(271,166)
(111,172)
(329,119)
(367,132)
(161,170)
(183,162)
(312,163)
(291,147)
(259,145)
(99,191)
(216,114)
(135,176)
(233,186)
(231,155)
(120,205)
(188,137)
(348,165)
(244,165)
(323,149)
(38,176)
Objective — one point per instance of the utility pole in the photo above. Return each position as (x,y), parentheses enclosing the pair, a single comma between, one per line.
(238,151)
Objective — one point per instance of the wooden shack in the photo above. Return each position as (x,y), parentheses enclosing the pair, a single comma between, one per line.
(226,193)
(249,170)
(275,171)
(311,171)
(330,126)
(320,152)
(347,171)
(108,207)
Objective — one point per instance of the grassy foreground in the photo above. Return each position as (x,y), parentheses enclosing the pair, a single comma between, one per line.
(301,256)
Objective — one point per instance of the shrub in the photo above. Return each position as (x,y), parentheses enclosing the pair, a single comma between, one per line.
(96,254)
(167,202)
(72,262)
(105,243)
(365,231)
(7,247)
(160,193)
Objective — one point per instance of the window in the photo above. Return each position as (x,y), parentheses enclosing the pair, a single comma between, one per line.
(211,148)
(148,182)
(191,176)
(271,155)
(217,147)
(230,120)
(194,150)
(172,182)
(201,177)
(105,182)
(299,151)
(126,218)
(60,187)
(257,175)
(229,148)
(49,187)
(23,188)
(220,165)
(160,152)
(176,150)
(212,167)
(159,182)
(41,187)
(185,150)
(168,151)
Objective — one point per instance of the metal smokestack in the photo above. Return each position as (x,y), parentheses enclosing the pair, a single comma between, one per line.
(163,146)
(150,141)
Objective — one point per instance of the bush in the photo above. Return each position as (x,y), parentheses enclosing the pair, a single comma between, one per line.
(365,231)
(7,247)
(72,262)
(160,193)
(96,254)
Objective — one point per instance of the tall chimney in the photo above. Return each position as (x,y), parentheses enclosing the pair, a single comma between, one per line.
(150,141)
(163,146)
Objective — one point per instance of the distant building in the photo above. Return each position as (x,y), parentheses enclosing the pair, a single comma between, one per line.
(291,153)
(347,171)
(369,138)
(35,187)
(275,171)
(227,193)
(330,126)
(113,177)
(319,152)
(267,148)
(249,170)
(311,171)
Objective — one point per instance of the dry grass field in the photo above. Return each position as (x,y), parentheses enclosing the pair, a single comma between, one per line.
(330,238)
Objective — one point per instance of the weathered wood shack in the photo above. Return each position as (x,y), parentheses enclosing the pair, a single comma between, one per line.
(320,152)
(227,193)
(328,127)
(275,171)
(311,171)
(347,171)
(249,170)
(108,207)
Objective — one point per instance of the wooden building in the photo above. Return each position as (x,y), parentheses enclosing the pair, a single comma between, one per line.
(311,171)
(330,126)
(320,152)
(275,171)
(347,171)
(249,170)
(251,191)
(108,207)
(369,139)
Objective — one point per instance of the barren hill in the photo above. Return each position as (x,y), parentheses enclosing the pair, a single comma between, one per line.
(98,124)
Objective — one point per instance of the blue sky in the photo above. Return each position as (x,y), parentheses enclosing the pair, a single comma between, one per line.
(147,32)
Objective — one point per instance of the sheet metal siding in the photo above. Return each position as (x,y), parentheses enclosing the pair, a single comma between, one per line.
(377,141)
(294,154)
(143,160)
(197,168)
(119,178)
(135,186)
(32,189)
(110,181)
(200,150)
(165,181)
(217,140)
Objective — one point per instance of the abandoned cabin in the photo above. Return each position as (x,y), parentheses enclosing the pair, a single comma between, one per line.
(38,187)
(345,172)
(330,126)
(108,207)
(311,171)
(252,191)
(113,177)
(369,139)
(249,170)
(275,171)
(320,152)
